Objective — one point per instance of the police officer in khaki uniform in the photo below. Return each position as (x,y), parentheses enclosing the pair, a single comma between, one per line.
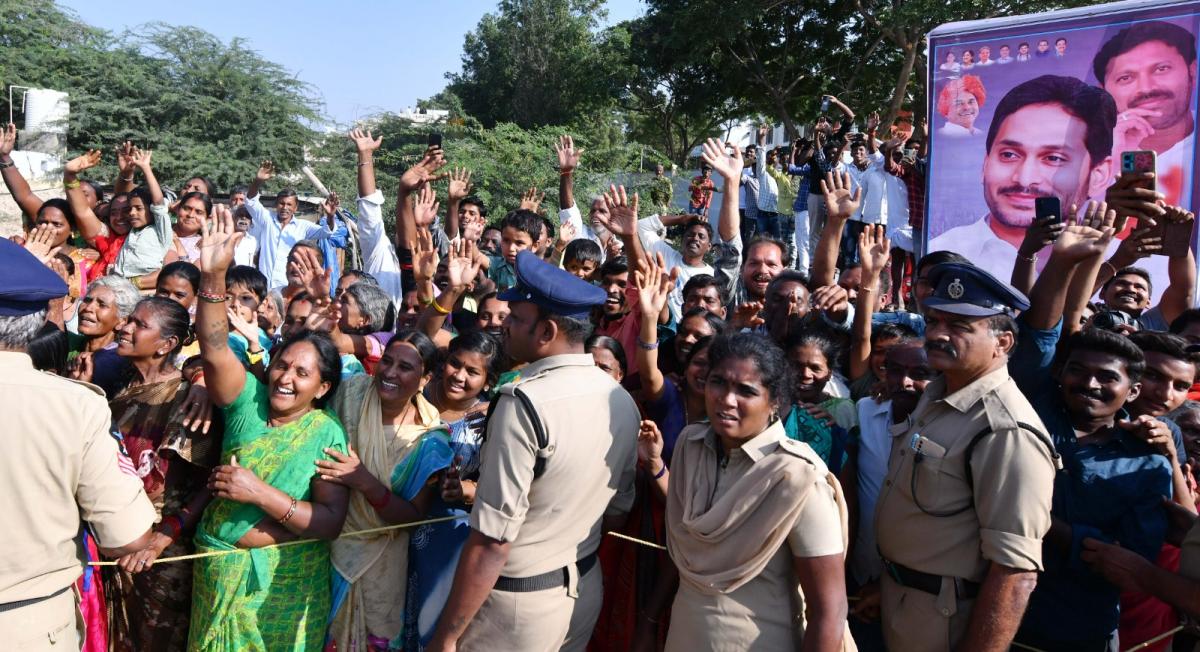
(58,467)
(558,465)
(966,501)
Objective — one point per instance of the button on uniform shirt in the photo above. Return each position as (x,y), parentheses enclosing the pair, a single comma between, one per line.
(379,254)
(592,425)
(275,242)
(1111,491)
(1013,479)
(59,466)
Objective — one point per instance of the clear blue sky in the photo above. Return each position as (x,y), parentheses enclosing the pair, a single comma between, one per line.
(408,45)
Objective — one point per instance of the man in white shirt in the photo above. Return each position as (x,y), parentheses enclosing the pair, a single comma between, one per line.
(277,233)
(1149,68)
(863,160)
(379,254)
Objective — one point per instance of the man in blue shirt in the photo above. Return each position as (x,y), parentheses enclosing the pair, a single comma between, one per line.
(1112,482)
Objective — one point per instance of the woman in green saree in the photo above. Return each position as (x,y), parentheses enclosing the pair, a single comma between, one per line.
(257,596)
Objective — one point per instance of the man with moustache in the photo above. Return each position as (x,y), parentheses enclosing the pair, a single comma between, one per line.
(1150,70)
(966,500)
(906,374)
(1113,482)
(277,234)
(1050,137)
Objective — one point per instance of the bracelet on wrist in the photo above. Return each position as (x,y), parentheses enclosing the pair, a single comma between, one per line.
(71,185)
(1110,266)
(196,377)
(1029,258)
(662,471)
(438,307)
(290,513)
(211,297)
(647,346)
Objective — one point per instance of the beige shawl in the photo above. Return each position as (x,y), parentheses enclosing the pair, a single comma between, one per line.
(375,603)
(720,548)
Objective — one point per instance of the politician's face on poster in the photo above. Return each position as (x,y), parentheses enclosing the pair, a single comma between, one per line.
(1010,129)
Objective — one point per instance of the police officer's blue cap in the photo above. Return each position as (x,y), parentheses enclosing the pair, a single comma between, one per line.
(964,289)
(556,290)
(26,285)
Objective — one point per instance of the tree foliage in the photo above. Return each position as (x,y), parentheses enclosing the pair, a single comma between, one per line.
(538,62)
(204,106)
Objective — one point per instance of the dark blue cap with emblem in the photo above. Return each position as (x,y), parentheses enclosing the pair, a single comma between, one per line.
(26,285)
(556,290)
(964,289)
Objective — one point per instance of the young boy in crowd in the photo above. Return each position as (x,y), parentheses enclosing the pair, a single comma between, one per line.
(245,290)
(582,258)
(520,230)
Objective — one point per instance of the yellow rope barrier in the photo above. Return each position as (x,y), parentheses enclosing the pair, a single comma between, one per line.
(217,553)
(649,544)
(1142,646)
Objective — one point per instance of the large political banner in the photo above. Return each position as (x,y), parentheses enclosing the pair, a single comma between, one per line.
(1044,105)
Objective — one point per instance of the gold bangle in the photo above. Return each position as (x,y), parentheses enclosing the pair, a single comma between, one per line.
(71,185)
(290,513)
(438,307)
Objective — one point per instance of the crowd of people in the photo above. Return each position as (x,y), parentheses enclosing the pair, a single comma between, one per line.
(801,433)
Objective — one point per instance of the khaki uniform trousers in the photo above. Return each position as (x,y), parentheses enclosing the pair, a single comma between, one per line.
(538,621)
(47,624)
(916,621)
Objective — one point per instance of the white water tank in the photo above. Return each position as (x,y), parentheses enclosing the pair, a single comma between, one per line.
(46,120)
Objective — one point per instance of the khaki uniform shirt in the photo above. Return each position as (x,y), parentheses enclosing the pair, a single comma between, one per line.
(1013,478)
(58,465)
(766,613)
(592,426)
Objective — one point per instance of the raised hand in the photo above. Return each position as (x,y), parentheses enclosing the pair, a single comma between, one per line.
(568,156)
(654,285)
(1130,198)
(88,159)
(566,234)
(307,263)
(532,199)
(424,256)
(462,263)
(460,184)
(873,121)
(330,206)
(840,202)
(265,171)
(218,240)
(746,315)
(622,215)
(363,142)
(1080,241)
(125,158)
(874,250)
(8,139)
(728,165)
(40,242)
(141,158)
(423,172)
(325,316)
(426,209)
(1040,234)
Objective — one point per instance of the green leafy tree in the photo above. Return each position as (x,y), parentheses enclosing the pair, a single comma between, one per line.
(538,62)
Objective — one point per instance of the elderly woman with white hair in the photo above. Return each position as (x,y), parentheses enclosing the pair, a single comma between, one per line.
(93,348)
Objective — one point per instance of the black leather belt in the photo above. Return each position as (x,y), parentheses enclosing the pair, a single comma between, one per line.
(550,580)
(929,583)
